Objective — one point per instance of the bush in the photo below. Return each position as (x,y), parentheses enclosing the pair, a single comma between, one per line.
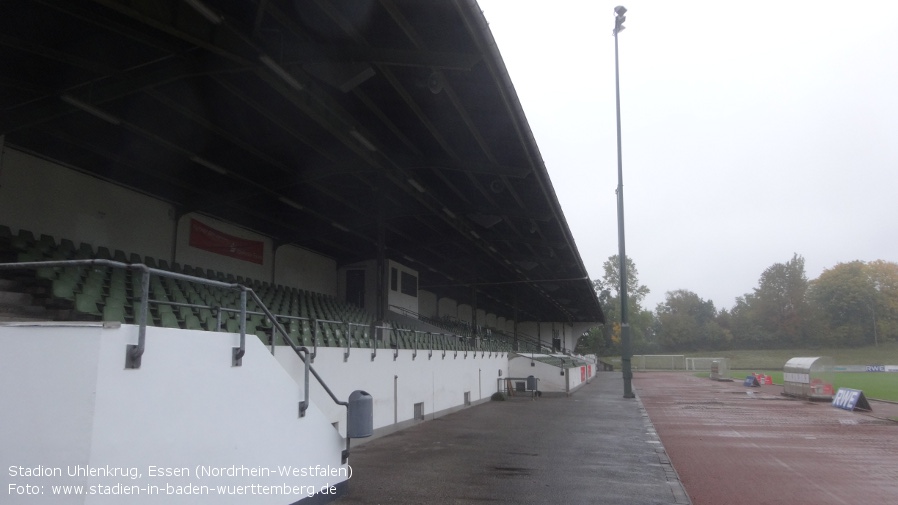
(498,397)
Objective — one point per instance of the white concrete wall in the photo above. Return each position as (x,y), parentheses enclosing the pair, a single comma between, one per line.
(427,303)
(49,380)
(509,326)
(465,312)
(44,197)
(543,331)
(439,382)
(301,268)
(69,401)
(481,317)
(550,378)
(578,376)
(567,332)
(448,307)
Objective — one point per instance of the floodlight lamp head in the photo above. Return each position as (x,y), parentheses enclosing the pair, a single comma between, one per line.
(619,19)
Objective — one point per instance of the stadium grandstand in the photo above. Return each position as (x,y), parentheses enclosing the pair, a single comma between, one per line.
(225,224)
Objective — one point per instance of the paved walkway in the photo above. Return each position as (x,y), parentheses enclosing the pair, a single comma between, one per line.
(592,447)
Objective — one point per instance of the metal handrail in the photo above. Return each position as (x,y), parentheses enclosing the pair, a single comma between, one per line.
(488,332)
(349,326)
(396,349)
(134,353)
(534,393)
(141,316)
(374,328)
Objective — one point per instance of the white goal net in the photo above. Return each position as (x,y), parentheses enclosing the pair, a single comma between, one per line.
(659,362)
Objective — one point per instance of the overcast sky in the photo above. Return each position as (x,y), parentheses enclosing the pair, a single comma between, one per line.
(751,131)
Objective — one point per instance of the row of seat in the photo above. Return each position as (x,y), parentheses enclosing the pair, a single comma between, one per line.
(114,294)
(466,329)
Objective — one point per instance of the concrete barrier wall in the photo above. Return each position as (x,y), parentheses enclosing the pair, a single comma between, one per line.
(46,198)
(397,385)
(69,403)
(550,378)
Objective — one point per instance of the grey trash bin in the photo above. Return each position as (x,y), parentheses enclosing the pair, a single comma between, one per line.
(360,422)
(531,383)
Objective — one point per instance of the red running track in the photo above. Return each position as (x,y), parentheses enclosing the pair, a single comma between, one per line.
(733,445)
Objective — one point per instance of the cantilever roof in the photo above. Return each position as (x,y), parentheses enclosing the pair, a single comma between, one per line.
(317,123)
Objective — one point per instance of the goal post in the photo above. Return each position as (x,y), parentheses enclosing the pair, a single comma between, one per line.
(659,362)
(701,364)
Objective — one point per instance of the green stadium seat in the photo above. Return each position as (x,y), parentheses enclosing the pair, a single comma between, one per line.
(47,272)
(84,252)
(118,290)
(306,334)
(114,312)
(191,322)
(67,247)
(293,331)
(23,240)
(28,255)
(87,304)
(64,287)
(168,320)
(46,244)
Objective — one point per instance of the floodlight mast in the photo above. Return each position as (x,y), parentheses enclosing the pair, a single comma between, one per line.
(626,355)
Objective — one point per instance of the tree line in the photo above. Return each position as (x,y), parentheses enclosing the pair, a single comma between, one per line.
(851,304)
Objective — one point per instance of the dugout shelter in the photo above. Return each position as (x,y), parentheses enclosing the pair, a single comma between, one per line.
(809,377)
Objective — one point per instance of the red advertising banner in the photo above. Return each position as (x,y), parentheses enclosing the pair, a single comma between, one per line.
(582,374)
(209,239)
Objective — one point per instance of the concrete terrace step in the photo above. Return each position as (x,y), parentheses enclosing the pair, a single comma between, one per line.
(15,298)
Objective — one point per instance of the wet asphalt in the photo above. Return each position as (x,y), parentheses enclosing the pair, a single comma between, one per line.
(592,447)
